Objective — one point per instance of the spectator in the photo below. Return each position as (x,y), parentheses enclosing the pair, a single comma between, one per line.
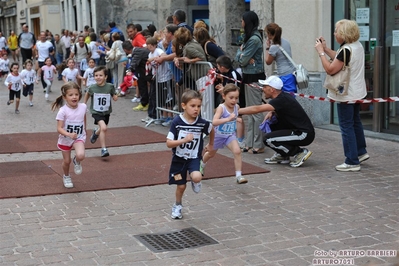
(250,58)
(60,52)
(135,36)
(179,18)
(347,35)
(113,29)
(66,38)
(274,53)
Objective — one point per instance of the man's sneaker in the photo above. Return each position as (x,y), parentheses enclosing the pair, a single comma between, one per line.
(241,180)
(277,158)
(8,103)
(145,108)
(147,120)
(300,158)
(347,168)
(196,186)
(202,168)
(67,181)
(77,167)
(136,100)
(176,212)
(167,122)
(104,152)
(363,157)
(139,107)
(94,136)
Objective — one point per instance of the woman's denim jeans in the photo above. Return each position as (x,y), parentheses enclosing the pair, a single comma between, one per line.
(352,132)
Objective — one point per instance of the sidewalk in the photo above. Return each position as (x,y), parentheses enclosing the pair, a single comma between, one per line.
(290,216)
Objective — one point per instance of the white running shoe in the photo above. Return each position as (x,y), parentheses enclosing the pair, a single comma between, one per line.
(196,186)
(67,181)
(77,167)
(136,100)
(176,212)
(46,96)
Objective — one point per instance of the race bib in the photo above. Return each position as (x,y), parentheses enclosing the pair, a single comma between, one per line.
(189,150)
(101,102)
(227,128)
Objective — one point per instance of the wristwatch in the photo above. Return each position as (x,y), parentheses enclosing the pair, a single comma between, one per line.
(321,54)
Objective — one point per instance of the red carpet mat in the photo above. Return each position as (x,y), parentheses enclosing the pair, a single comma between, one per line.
(23,179)
(47,141)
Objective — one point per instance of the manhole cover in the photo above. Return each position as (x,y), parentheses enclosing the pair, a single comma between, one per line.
(185,238)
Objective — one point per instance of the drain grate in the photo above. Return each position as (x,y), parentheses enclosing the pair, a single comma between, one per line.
(185,238)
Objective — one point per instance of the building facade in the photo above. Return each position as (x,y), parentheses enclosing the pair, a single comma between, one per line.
(302,22)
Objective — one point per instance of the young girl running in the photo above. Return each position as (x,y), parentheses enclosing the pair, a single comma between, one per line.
(28,76)
(71,124)
(49,71)
(225,125)
(71,73)
(14,84)
(88,76)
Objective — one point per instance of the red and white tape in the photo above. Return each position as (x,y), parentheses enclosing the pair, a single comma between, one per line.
(212,76)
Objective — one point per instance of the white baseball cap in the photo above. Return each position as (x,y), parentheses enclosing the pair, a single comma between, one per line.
(272,81)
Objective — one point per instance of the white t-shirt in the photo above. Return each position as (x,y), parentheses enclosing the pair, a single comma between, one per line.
(4,65)
(89,76)
(70,74)
(43,50)
(15,80)
(67,41)
(94,49)
(161,70)
(28,76)
(3,42)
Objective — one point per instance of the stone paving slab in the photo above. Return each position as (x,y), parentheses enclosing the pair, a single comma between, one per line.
(279,218)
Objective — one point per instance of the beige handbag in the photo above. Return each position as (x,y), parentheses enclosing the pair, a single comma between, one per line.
(339,82)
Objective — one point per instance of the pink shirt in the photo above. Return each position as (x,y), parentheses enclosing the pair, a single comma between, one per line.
(48,72)
(73,122)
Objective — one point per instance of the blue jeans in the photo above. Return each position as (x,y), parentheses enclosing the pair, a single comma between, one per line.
(59,58)
(352,132)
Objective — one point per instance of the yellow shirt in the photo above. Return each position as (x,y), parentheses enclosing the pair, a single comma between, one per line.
(13,42)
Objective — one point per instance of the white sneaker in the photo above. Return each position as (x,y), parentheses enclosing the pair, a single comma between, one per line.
(347,168)
(46,96)
(196,186)
(363,157)
(136,100)
(30,104)
(67,181)
(176,212)
(146,120)
(77,167)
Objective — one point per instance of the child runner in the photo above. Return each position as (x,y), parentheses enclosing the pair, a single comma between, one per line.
(100,106)
(71,73)
(185,139)
(71,124)
(14,84)
(4,65)
(225,125)
(49,71)
(28,76)
(88,76)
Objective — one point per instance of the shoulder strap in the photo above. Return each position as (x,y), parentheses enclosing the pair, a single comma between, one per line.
(287,55)
(206,52)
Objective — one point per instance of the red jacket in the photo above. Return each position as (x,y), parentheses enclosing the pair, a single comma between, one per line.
(139,40)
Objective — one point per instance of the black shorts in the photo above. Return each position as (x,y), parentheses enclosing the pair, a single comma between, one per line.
(28,89)
(16,94)
(179,167)
(98,118)
(4,73)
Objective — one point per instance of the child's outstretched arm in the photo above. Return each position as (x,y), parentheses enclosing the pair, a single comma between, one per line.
(171,143)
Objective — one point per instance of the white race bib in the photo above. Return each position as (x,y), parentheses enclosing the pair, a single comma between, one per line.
(101,102)
(189,150)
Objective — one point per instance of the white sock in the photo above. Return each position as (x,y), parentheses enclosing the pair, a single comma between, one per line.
(203,164)
(238,173)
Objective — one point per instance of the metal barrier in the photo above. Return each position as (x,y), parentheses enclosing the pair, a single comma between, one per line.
(168,94)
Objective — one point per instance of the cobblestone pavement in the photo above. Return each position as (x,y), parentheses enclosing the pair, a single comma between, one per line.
(290,216)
